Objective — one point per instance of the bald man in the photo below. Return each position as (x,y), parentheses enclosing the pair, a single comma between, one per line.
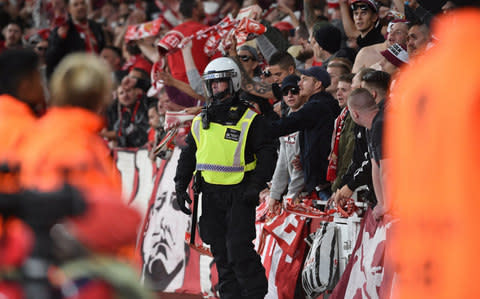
(366,113)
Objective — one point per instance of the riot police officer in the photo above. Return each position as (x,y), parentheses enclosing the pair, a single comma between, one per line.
(231,154)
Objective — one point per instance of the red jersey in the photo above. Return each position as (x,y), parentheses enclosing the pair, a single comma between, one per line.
(175,59)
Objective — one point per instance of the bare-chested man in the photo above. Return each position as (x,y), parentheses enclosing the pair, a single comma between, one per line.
(367,56)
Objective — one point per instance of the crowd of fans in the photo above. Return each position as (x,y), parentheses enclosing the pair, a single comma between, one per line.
(313,33)
(320,75)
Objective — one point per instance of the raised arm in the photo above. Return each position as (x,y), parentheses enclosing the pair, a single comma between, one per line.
(180,85)
(419,12)
(256,88)
(348,24)
(193,75)
(119,35)
(285,9)
(308,14)
(400,6)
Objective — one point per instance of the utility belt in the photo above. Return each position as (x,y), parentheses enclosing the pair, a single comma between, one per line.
(240,187)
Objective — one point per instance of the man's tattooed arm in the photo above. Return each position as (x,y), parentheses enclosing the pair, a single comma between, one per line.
(256,88)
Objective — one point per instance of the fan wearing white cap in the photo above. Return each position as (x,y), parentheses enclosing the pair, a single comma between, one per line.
(232,158)
(397,32)
(395,56)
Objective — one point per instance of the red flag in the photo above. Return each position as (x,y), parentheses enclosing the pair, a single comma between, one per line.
(215,35)
(170,42)
(366,274)
(143,30)
(282,253)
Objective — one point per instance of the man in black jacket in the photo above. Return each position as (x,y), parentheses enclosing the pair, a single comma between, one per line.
(315,122)
(359,172)
(77,34)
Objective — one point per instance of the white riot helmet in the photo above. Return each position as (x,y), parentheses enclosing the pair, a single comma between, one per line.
(218,69)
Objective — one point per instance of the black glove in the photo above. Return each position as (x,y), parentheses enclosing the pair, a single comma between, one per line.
(182,197)
(252,194)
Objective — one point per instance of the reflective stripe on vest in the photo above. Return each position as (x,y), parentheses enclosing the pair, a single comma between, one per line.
(221,150)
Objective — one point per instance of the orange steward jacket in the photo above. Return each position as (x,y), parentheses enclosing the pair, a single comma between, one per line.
(64,147)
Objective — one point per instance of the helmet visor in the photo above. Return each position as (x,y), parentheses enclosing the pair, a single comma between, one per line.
(224,75)
(219,75)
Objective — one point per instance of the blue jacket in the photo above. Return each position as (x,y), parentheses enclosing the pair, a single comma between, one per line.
(315,121)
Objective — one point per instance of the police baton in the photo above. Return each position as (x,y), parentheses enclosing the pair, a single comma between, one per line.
(190,237)
(197,180)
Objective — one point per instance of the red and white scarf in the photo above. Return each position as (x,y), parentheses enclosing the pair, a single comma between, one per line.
(86,34)
(215,35)
(333,158)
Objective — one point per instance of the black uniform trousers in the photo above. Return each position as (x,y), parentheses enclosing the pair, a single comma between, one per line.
(227,223)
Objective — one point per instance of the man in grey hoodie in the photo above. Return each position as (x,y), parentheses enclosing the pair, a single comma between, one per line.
(288,177)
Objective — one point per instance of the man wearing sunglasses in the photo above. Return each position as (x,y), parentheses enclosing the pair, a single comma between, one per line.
(281,64)
(287,178)
(315,122)
(364,26)
(249,58)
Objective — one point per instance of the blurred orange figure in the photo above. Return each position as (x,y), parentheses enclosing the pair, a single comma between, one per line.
(20,94)
(16,119)
(64,147)
(432,136)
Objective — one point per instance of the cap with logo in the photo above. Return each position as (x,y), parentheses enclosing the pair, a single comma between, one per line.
(396,55)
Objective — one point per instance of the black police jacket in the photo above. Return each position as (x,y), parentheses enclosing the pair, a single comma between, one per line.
(258,145)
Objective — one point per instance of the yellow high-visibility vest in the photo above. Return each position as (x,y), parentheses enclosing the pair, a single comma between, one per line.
(221,150)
